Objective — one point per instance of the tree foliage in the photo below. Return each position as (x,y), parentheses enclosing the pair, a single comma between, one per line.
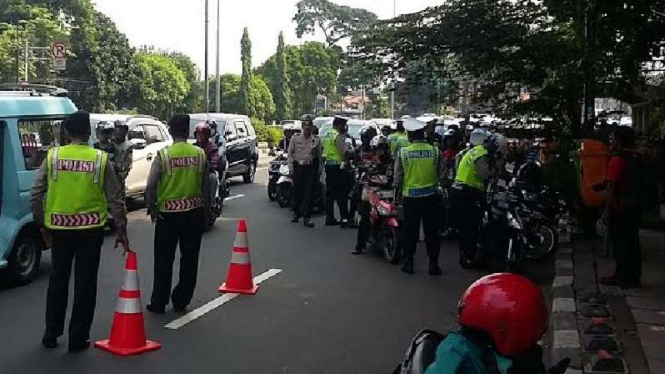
(246,97)
(280,90)
(163,86)
(337,22)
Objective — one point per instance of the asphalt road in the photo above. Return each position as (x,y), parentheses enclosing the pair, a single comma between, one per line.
(326,312)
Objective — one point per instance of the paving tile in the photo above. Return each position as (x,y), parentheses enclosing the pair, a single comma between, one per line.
(563,305)
(645,303)
(564,291)
(564,264)
(653,341)
(651,317)
(564,321)
(611,290)
(566,339)
(562,281)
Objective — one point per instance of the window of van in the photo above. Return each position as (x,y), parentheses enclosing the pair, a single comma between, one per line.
(37,136)
(250,128)
(241,129)
(154,134)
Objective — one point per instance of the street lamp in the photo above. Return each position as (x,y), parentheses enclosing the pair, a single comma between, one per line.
(218,99)
(205,69)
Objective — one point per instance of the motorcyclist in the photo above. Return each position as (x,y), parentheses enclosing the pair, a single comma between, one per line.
(501,317)
(202,132)
(288,133)
(105,132)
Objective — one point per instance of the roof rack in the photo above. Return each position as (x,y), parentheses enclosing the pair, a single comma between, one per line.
(34,89)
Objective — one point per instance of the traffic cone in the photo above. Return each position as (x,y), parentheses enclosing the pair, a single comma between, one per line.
(239,278)
(128,331)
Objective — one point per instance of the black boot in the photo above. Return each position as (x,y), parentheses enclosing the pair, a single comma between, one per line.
(407,266)
(332,222)
(358,250)
(295,218)
(308,222)
(434,269)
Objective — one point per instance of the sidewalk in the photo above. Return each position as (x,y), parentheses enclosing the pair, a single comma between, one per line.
(604,329)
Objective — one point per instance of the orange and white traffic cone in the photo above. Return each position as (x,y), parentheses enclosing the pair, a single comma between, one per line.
(239,278)
(128,330)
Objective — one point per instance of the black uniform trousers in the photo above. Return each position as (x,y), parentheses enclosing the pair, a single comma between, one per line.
(624,229)
(184,229)
(426,210)
(466,205)
(83,248)
(304,182)
(336,191)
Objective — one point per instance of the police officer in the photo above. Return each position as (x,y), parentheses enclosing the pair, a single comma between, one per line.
(74,189)
(472,173)
(398,139)
(304,157)
(433,138)
(177,183)
(105,131)
(125,156)
(334,149)
(417,169)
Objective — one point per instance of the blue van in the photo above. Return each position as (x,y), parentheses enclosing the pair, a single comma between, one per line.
(30,117)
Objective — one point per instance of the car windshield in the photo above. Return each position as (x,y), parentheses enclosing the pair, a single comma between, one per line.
(319,122)
(354,130)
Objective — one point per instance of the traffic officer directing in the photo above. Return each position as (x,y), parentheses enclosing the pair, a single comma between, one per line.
(304,155)
(334,149)
(472,173)
(417,169)
(177,184)
(75,188)
(398,139)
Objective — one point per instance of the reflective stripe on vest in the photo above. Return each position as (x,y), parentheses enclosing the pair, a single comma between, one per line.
(330,151)
(420,162)
(180,184)
(75,198)
(467,172)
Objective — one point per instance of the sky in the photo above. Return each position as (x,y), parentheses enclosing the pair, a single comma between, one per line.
(178,25)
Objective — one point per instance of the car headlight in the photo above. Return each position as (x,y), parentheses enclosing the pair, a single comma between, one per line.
(383,211)
(284,170)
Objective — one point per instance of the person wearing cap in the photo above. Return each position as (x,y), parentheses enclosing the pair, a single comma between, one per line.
(125,156)
(304,155)
(398,139)
(417,169)
(433,138)
(74,189)
(288,134)
(473,171)
(177,183)
(105,131)
(334,150)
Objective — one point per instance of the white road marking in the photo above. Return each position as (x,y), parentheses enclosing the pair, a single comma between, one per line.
(234,197)
(265,168)
(216,303)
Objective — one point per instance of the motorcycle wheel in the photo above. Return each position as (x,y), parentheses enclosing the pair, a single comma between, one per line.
(284,195)
(513,255)
(272,192)
(388,243)
(542,242)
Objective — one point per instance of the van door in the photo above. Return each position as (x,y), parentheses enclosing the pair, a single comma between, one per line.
(137,177)
(244,146)
(233,149)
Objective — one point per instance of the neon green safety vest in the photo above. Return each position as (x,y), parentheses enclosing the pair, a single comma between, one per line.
(330,151)
(467,173)
(399,140)
(75,199)
(182,173)
(420,162)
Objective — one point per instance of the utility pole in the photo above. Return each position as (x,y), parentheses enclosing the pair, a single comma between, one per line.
(205,69)
(392,85)
(26,61)
(218,99)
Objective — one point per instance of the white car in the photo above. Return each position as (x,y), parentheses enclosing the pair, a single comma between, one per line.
(148,135)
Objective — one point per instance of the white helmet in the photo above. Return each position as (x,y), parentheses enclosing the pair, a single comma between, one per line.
(478,137)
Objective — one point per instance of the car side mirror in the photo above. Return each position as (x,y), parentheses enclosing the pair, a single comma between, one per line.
(138,143)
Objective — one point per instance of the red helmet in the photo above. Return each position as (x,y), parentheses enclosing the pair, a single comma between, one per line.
(509,308)
(203,127)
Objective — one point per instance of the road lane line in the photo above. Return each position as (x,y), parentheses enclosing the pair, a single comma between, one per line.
(234,197)
(264,168)
(216,303)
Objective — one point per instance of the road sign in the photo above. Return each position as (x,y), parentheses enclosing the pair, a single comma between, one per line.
(59,51)
(60,64)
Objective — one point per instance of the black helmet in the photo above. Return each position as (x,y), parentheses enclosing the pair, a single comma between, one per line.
(120,124)
(367,134)
(531,174)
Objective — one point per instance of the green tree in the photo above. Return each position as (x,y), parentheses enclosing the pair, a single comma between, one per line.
(163,86)
(337,22)
(264,106)
(194,99)
(281,90)
(246,97)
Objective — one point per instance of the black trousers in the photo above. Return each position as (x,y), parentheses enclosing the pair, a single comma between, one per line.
(336,191)
(83,249)
(625,235)
(466,205)
(423,210)
(304,182)
(364,227)
(184,229)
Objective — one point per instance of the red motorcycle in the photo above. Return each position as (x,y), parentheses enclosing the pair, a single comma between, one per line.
(384,218)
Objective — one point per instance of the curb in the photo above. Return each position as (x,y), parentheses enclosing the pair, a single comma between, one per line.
(566,337)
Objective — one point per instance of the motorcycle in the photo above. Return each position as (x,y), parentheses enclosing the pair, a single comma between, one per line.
(384,218)
(273,174)
(284,186)
(540,215)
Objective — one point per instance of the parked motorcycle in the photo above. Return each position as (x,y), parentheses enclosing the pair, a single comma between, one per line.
(273,174)
(284,186)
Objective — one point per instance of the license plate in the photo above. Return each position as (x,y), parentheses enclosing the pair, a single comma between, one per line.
(387,194)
